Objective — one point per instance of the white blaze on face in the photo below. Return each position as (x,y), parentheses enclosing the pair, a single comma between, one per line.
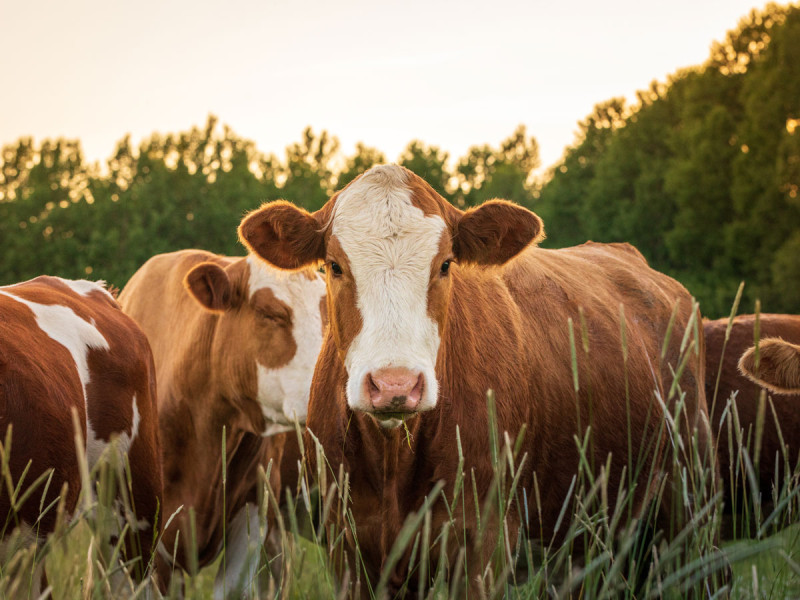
(77,336)
(283,392)
(390,245)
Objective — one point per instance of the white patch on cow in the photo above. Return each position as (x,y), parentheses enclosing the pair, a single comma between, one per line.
(283,392)
(84,287)
(77,336)
(125,439)
(126,517)
(390,245)
(236,577)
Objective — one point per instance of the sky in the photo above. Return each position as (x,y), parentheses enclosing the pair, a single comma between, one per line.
(453,74)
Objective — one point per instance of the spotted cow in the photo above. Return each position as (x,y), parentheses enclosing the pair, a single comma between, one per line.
(235,342)
(429,308)
(66,347)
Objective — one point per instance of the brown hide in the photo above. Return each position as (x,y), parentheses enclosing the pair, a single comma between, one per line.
(507,330)
(786,406)
(40,386)
(205,386)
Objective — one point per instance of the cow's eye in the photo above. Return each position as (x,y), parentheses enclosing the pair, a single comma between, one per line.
(279,319)
(445,267)
(336,269)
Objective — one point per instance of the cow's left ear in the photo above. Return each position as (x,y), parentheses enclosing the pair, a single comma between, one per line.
(284,235)
(209,284)
(494,232)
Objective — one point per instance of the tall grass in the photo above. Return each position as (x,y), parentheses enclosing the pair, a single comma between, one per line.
(603,548)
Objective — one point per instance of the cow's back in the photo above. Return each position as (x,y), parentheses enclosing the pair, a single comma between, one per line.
(594,285)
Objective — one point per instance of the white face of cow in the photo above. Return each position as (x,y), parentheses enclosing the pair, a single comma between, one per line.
(389,245)
(283,390)
(387,241)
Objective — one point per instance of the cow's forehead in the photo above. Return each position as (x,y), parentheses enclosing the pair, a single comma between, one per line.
(384,203)
(289,287)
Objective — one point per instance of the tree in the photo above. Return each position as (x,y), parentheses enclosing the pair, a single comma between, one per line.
(364,158)
(310,178)
(506,173)
(430,163)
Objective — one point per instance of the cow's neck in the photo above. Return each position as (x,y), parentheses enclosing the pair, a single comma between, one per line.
(193,416)
(392,471)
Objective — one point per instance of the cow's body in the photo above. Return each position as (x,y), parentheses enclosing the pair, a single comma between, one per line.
(234,344)
(732,381)
(66,346)
(502,327)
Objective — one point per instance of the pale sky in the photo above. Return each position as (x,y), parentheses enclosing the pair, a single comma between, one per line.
(453,74)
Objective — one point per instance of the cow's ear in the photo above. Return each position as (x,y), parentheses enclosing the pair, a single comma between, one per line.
(209,284)
(778,366)
(494,232)
(284,235)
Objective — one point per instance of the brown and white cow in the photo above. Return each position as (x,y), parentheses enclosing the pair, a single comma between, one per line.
(778,358)
(430,307)
(235,342)
(66,346)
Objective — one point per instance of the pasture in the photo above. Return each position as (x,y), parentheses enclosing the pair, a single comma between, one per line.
(599,553)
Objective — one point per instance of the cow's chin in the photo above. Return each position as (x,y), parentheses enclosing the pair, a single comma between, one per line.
(392,420)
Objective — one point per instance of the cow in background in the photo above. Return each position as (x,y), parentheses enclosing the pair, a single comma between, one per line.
(778,367)
(774,376)
(235,342)
(429,308)
(65,346)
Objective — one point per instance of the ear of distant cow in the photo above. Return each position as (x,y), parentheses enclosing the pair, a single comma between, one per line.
(235,342)
(430,307)
(66,346)
(775,364)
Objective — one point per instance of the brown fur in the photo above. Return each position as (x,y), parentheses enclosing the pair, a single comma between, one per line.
(505,328)
(39,387)
(777,367)
(205,344)
(739,346)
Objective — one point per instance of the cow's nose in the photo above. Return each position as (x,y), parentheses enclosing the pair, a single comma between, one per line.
(395,389)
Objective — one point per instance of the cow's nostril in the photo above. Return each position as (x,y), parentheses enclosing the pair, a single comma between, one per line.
(374,390)
(394,389)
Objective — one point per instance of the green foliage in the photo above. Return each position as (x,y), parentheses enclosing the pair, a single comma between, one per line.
(702,174)
(62,217)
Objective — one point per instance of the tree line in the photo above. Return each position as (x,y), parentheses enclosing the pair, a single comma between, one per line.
(702,174)
(61,216)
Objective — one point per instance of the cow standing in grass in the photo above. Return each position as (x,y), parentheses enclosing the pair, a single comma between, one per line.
(66,348)
(235,342)
(429,308)
(732,381)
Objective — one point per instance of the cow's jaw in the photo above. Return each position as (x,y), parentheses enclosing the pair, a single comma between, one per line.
(390,245)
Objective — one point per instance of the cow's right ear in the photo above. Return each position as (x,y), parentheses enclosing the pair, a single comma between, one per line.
(284,235)
(209,284)
(778,368)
